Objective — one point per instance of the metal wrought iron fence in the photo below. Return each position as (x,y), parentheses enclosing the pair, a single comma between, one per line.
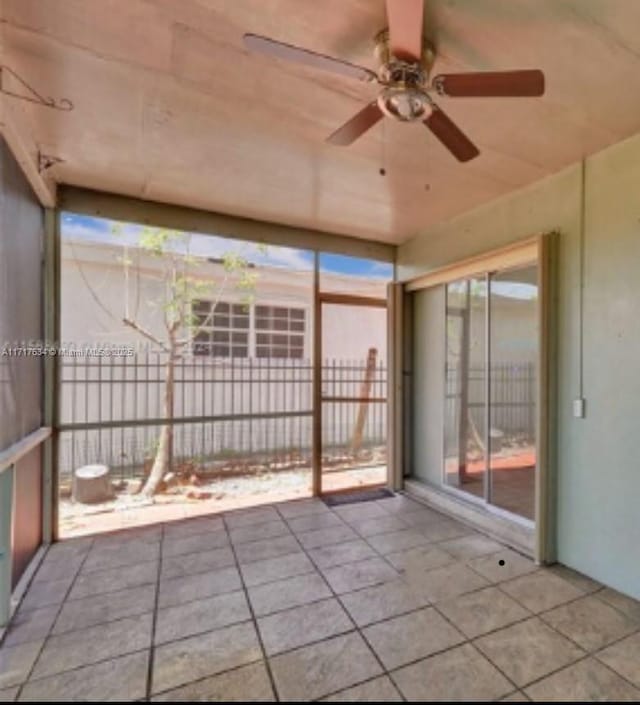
(232,413)
(512,397)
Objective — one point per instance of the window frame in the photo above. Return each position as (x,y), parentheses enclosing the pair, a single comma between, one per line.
(211,330)
(272,331)
(253,330)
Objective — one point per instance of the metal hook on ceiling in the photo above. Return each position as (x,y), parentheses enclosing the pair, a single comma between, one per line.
(47,161)
(32,95)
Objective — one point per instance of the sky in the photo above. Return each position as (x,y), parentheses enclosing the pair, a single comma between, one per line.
(508,289)
(82,228)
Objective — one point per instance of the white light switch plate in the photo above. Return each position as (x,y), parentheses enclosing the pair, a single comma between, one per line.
(578,408)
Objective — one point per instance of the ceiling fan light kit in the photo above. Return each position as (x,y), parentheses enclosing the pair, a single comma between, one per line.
(405,61)
(404,93)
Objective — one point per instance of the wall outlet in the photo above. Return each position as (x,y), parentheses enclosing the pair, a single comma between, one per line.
(579,408)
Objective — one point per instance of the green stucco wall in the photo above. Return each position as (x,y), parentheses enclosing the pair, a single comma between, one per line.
(428,391)
(598,457)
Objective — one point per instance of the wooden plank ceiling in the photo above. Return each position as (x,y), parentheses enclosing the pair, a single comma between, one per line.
(170,107)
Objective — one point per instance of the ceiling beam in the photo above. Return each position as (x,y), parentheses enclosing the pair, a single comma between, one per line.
(135,210)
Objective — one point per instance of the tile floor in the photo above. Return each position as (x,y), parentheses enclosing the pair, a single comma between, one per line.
(385,600)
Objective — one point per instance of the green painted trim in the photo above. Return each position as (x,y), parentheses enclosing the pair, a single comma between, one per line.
(6,554)
(546,483)
(178,420)
(316,437)
(52,450)
(49,396)
(16,451)
(395,385)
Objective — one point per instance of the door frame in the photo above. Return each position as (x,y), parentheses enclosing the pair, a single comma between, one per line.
(320,299)
(543,249)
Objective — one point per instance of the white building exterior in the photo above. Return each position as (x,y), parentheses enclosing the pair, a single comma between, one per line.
(257,400)
(98,292)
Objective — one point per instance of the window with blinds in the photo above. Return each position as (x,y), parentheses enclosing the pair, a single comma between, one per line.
(223,329)
(230,330)
(280,331)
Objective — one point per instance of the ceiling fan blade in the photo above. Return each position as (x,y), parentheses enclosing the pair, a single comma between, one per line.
(357,126)
(279,50)
(405,19)
(451,135)
(491,84)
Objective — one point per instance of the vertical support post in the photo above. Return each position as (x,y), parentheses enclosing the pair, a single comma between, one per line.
(365,395)
(57,376)
(488,408)
(395,385)
(406,377)
(6,558)
(463,379)
(316,452)
(51,381)
(546,489)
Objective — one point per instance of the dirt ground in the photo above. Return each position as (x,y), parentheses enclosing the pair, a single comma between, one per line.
(128,510)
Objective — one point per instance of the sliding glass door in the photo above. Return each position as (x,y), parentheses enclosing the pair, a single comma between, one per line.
(465,406)
(513,353)
(490,406)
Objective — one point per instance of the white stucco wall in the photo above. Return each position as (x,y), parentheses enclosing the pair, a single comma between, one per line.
(93,284)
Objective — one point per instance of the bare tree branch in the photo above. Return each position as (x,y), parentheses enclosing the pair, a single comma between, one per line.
(145,333)
(91,290)
(207,321)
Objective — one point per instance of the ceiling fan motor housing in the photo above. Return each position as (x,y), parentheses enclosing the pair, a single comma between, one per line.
(404,95)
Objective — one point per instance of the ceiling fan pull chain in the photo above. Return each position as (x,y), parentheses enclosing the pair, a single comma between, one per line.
(383,151)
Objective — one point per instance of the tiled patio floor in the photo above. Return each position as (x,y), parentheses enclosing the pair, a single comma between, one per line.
(384,600)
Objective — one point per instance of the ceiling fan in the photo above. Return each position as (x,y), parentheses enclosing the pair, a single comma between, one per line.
(406,91)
